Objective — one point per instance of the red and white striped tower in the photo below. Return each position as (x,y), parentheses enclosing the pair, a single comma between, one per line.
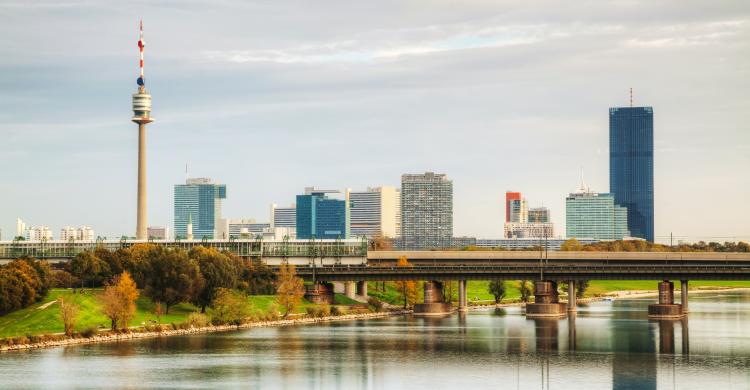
(141,116)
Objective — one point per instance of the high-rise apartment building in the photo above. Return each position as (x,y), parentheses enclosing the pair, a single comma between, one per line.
(539,215)
(321,217)
(198,200)
(595,216)
(38,233)
(83,233)
(20,228)
(631,166)
(426,211)
(376,211)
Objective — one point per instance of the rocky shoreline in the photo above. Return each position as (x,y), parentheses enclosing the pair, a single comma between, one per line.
(205,329)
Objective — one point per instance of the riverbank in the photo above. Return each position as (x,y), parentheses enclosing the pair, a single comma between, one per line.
(132,335)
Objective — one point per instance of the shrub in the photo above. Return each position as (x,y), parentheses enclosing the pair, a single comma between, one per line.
(89,332)
(197,320)
(376,304)
(336,311)
(20,340)
(325,310)
(312,311)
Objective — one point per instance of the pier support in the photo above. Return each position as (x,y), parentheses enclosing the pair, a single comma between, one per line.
(362,288)
(546,301)
(572,306)
(320,292)
(463,301)
(433,300)
(350,289)
(665,309)
(684,296)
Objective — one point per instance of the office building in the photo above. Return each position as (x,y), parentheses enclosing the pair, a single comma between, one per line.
(527,243)
(240,228)
(509,197)
(426,211)
(376,211)
(283,217)
(321,217)
(538,215)
(631,166)
(83,233)
(158,232)
(595,216)
(198,200)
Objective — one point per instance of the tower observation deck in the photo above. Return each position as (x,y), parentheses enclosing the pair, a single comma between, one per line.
(141,116)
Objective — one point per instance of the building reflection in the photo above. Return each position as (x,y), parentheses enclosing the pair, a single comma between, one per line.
(634,354)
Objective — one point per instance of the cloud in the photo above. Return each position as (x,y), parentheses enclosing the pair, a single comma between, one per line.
(683,35)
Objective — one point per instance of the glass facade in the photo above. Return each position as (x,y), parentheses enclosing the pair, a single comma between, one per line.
(631,166)
(199,200)
(595,216)
(426,211)
(321,217)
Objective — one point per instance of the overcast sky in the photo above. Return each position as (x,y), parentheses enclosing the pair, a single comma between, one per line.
(273,96)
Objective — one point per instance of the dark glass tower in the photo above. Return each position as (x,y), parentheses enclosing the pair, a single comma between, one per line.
(631,166)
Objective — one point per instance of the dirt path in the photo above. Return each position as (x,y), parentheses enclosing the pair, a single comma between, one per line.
(46,305)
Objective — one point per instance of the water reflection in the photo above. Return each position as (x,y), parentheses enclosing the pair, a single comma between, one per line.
(607,345)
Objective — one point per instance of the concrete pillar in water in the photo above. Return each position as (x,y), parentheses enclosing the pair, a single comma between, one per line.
(665,309)
(462,296)
(350,289)
(362,288)
(433,300)
(546,303)
(572,306)
(684,295)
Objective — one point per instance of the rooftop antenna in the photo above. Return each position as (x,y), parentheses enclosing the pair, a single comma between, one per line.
(631,97)
(583,189)
(186,172)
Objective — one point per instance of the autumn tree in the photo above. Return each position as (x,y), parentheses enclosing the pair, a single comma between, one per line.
(229,308)
(407,288)
(68,315)
(289,288)
(571,244)
(497,289)
(172,277)
(118,300)
(217,270)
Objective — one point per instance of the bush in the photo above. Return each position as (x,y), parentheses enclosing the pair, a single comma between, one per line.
(312,311)
(197,320)
(325,310)
(89,332)
(376,304)
(20,340)
(336,311)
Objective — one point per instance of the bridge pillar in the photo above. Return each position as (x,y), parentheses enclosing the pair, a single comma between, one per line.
(362,288)
(433,300)
(572,305)
(546,302)
(320,292)
(350,289)
(684,296)
(462,296)
(665,309)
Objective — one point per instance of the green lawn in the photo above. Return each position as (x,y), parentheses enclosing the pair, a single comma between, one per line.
(33,320)
(598,287)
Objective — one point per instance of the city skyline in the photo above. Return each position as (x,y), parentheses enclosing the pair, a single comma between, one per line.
(285,94)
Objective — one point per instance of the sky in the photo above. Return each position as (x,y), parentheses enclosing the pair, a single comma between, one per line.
(269,97)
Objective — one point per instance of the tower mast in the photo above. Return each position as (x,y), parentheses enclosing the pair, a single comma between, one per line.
(141,116)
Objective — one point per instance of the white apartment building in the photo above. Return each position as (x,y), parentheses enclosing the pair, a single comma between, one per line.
(83,233)
(375,211)
(38,233)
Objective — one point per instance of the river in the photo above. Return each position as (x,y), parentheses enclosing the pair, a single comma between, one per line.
(608,345)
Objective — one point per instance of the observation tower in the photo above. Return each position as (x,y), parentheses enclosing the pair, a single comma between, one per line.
(141,116)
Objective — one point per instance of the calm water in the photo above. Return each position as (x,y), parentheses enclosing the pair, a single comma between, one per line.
(609,345)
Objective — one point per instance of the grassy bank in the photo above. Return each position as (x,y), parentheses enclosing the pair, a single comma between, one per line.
(44,317)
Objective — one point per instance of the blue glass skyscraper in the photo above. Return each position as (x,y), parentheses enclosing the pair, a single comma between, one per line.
(631,166)
(321,217)
(199,201)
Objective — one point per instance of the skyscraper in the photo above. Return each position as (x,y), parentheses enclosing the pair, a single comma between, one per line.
(426,211)
(198,200)
(376,211)
(596,216)
(509,197)
(141,116)
(321,217)
(631,166)
(539,215)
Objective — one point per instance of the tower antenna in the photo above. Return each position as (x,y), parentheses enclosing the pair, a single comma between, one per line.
(631,96)
(141,45)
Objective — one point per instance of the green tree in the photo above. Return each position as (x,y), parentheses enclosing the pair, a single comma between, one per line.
(217,271)
(172,277)
(89,269)
(581,287)
(229,308)
(526,289)
(497,288)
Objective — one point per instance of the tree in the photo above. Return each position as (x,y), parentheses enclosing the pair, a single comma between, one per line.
(228,308)
(571,244)
(581,287)
(450,291)
(381,243)
(68,315)
(526,290)
(497,288)
(407,288)
(217,270)
(19,286)
(289,288)
(118,300)
(172,277)
(256,278)
(89,269)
